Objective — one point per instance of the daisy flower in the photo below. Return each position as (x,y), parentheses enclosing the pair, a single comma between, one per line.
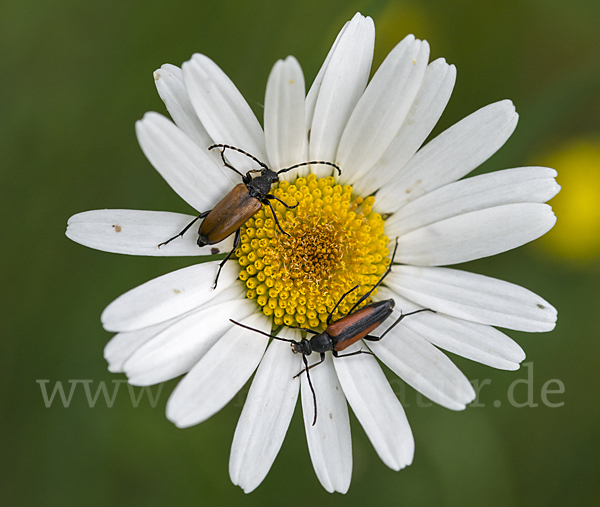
(340,235)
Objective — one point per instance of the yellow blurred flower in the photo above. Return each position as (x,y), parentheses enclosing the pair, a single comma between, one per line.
(394,21)
(577,207)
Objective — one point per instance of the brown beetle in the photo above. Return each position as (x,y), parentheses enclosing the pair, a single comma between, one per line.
(345,331)
(239,205)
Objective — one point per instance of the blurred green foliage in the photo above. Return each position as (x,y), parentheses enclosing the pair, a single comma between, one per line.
(77,75)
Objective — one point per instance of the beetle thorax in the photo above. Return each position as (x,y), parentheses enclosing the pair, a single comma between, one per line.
(260,186)
(321,343)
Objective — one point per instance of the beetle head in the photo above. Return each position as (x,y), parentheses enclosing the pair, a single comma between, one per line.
(302,347)
(270,176)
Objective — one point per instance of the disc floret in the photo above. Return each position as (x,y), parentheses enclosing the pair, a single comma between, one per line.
(335,242)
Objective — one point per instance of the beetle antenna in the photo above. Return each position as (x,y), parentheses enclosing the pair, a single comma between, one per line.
(263,333)
(387,272)
(305,329)
(309,163)
(227,146)
(311,388)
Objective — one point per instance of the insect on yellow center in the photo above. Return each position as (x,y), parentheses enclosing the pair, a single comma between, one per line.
(335,242)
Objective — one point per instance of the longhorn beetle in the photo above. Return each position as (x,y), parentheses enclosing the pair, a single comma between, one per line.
(239,205)
(345,331)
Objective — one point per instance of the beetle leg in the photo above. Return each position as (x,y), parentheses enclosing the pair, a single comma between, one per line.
(225,163)
(271,196)
(330,316)
(310,384)
(236,242)
(185,229)
(361,351)
(247,179)
(402,315)
(372,338)
(387,272)
(266,201)
(311,366)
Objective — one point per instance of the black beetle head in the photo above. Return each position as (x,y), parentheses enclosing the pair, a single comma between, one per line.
(302,347)
(269,175)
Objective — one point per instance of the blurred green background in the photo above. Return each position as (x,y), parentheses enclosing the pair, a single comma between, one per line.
(77,75)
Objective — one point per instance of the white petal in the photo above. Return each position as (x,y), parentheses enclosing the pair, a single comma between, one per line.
(122,345)
(266,415)
(475,235)
(473,297)
(424,113)
(223,110)
(285,133)
(343,83)
(423,367)
(376,407)
(451,155)
(179,347)
(167,296)
(170,87)
(520,185)
(136,232)
(220,374)
(313,93)
(188,169)
(382,109)
(477,342)
(329,440)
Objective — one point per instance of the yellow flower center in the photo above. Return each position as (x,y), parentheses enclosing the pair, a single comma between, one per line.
(335,242)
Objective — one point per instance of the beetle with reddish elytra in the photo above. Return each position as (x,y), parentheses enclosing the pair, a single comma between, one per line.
(239,205)
(345,331)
